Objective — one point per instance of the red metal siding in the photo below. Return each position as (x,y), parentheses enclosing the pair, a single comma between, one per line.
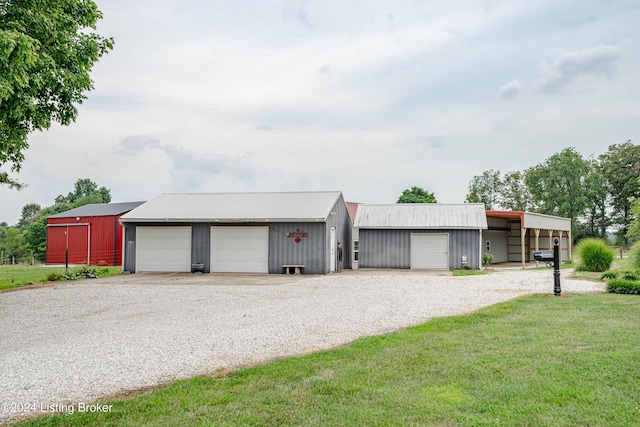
(106,240)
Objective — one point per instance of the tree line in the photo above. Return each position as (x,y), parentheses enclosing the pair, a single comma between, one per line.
(26,241)
(599,194)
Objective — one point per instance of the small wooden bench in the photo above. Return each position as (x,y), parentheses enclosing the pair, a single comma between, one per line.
(297,268)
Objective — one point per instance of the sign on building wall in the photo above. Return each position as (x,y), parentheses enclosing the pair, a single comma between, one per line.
(297,235)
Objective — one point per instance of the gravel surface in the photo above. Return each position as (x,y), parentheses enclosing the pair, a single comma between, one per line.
(77,342)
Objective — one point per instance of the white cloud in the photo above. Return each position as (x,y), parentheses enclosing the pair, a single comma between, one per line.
(511,90)
(599,62)
(365,97)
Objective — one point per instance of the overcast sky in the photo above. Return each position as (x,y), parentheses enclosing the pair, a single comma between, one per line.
(367,97)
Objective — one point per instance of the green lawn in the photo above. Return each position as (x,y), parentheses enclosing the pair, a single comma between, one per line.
(462,272)
(12,276)
(533,361)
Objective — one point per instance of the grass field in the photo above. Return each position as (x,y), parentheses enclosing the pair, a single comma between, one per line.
(532,361)
(13,276)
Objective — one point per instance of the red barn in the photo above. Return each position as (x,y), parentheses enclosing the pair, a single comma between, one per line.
(91,233)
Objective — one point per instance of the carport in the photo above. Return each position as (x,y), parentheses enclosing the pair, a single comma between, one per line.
(512,236)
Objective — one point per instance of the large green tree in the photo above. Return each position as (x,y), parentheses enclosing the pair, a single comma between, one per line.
(515,193)
(47,50)
(86,191)
(557,185)
(13,246)
(596,199)
(620,167)
(485,188)
(30,213)
(634,226)
(417,195)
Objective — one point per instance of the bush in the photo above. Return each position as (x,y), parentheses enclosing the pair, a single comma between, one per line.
(487,259)
(619,286)
(595,255)
(54,277)
(82,273)
(609,275)
(630,275)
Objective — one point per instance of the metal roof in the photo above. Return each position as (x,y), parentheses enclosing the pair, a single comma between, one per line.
(352,207)
(236,207)
(99,209)
(535,220)
(422,216)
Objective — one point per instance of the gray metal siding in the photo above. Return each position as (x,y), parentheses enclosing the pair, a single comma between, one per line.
(201,245)
(342,221)
(392,248)
(129,262)
(467,243)
(310,251)
(385,249)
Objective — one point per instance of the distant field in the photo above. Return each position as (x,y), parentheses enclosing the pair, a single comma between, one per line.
(12,276)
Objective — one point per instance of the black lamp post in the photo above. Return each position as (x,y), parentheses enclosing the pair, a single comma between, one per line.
(556,267)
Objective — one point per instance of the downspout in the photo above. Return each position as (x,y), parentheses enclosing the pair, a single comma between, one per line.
(480,246)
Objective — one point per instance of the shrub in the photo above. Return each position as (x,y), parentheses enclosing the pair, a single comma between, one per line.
(54,277)
(619,286)
(487,259)
(82,273)
(87,273)
(630,275)
(609,275)
(595,255)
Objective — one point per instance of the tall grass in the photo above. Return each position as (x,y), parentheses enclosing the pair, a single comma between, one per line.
(595,255)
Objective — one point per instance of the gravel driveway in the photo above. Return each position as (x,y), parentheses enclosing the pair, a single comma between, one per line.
(76,342)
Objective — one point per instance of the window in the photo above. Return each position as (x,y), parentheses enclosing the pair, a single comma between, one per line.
(356,249)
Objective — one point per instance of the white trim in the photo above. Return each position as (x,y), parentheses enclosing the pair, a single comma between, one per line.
(332,250)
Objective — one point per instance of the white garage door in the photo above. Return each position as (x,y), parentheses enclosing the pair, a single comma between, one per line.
(239,249)
(430,251)
(163,248)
